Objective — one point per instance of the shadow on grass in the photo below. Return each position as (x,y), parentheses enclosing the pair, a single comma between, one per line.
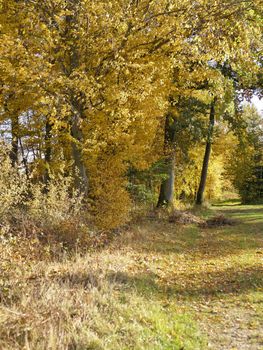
(227,204)
(208,243)
(143,283)
(194,285)
(183,285)
(219,205)
(217,282)
(244,211)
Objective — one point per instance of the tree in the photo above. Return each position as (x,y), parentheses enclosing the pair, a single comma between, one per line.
(183,130)
(247,156)
(204,172)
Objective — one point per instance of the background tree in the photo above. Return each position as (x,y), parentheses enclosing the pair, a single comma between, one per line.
(245,161)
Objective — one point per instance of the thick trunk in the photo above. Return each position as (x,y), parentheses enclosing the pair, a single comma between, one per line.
(15,138)
(166,195)
(202,184)
(79,171)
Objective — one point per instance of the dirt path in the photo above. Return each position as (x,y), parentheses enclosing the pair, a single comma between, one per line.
(214,274)
(232,314)
(235,320)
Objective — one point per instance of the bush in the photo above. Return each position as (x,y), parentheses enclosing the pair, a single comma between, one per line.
(13,186)
(54,212)
(58,212)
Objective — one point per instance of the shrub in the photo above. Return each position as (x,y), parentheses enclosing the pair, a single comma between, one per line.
(13,185)
(56,211)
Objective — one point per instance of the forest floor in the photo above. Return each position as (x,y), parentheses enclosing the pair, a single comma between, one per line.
(157,286)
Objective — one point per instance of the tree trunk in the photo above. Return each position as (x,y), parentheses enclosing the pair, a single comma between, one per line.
(166,194)
(202,184)
(14,145)
(48,151)
(24,158)
(80,172)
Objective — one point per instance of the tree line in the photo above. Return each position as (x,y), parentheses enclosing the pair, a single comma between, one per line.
(126,96)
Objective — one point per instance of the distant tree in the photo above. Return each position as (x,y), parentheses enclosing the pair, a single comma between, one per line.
(247,156)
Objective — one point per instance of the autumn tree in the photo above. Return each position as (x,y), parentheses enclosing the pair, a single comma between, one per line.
(247,156)
(241,23)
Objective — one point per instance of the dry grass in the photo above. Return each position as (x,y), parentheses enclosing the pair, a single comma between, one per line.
(147,290)
(84,302)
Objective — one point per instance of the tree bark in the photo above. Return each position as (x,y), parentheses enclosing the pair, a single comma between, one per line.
(166,194)
(24,158)
(202,184)
(80,172)
(15,137)
(48,151)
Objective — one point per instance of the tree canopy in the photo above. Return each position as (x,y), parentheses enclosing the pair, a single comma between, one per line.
(86,86)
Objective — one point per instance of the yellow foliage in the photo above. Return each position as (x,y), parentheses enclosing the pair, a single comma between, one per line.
(102,72)
(111,202)
(12,185)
